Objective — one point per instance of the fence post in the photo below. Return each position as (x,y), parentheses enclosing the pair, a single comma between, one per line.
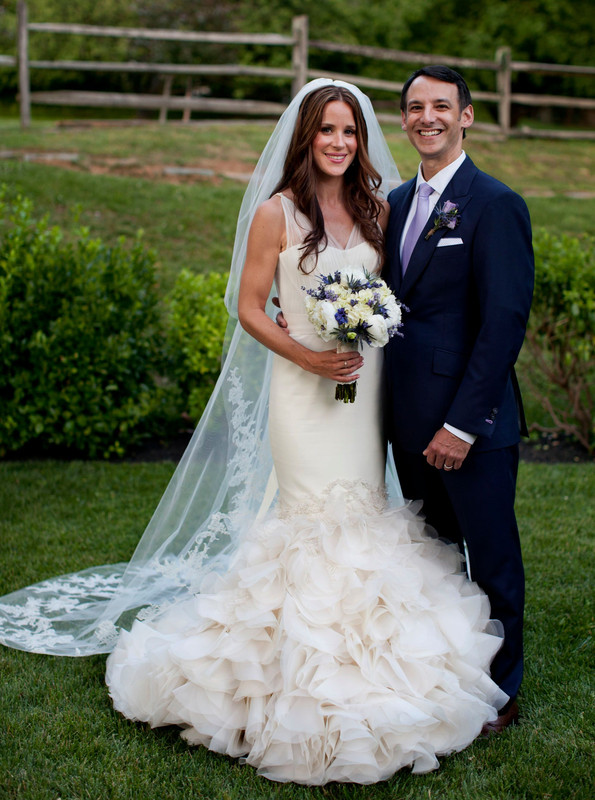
(504,80)
(187,112)
(299,59)
(23,62)
(166,94)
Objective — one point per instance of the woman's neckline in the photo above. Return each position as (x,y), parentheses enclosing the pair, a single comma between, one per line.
(329,234)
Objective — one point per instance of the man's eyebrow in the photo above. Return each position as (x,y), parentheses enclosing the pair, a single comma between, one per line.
(436,100)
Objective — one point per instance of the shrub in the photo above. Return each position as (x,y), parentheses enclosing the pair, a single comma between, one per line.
(196,322)
(79,334)
(561,335)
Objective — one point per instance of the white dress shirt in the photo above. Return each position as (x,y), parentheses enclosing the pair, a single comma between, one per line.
(438,182)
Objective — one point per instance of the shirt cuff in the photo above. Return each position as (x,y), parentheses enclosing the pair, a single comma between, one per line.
(466,437)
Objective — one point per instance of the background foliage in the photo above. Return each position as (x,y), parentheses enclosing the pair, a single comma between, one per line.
(560,369)
(90,363)
(196,321)
(79,339)
(556,31)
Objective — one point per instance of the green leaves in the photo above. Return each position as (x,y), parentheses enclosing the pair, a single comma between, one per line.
(86,364)
(561,334)
(79,338)
(196,321)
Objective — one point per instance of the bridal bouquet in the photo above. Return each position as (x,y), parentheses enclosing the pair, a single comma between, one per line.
(355,308)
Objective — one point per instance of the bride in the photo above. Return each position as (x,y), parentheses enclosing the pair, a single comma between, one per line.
(284,606)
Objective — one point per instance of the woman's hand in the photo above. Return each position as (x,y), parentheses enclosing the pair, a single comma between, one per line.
(338,367)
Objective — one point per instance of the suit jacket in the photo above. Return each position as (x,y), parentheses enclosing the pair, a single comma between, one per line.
(468,308)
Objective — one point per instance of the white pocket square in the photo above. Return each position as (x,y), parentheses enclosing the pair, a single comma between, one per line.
(448,242)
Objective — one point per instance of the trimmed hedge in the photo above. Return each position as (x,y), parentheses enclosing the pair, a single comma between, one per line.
(79,339)
(196,322)
(561,335)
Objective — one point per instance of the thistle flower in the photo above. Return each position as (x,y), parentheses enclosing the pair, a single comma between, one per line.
(447,217)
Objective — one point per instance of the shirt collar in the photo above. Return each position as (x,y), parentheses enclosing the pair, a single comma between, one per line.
(441,179)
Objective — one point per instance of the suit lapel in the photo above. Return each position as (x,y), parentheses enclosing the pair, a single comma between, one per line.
(457,191)
(398,215)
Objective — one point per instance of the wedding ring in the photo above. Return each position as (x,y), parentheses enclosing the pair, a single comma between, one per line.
(345,364)
(445,467)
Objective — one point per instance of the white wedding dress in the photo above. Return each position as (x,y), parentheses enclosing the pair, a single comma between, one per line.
(344,642)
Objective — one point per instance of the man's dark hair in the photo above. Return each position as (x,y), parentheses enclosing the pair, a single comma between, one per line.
(440,73)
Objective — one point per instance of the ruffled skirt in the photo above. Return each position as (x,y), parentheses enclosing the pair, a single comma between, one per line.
(342,645)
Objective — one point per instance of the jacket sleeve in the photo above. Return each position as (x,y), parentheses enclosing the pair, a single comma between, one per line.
(503,272)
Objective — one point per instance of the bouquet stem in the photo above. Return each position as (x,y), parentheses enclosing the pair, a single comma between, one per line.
(346,392)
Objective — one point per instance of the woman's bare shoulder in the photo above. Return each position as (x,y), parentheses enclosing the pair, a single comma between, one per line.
(270,212)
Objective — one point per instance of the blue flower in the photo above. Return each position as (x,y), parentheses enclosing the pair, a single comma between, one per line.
(447,217)
(341,316)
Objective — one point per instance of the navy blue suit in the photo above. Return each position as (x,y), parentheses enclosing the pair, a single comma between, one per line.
(468,309)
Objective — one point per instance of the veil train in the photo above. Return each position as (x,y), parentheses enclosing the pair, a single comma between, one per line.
(223,482)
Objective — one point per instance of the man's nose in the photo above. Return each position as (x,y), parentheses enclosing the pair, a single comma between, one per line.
(427,115)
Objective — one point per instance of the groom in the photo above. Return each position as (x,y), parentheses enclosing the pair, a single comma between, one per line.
(459,256)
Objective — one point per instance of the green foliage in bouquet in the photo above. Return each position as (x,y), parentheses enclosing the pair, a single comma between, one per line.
(79,339)
(561,335)
(196,321)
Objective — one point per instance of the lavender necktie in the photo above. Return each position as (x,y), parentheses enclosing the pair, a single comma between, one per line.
(417,223)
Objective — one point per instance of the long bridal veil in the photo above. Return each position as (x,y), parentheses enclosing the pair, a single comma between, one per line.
(223,483)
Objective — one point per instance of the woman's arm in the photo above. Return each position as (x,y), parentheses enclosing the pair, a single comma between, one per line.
(265,241)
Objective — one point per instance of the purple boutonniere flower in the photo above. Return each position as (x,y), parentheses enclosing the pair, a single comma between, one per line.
(448,217)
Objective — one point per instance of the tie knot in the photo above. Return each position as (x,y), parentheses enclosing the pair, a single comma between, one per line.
(425,190)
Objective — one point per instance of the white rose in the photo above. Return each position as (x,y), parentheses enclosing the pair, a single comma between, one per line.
(310,303)
(365,295)
(359,313)
(393,310)
(377,330)
(326,311)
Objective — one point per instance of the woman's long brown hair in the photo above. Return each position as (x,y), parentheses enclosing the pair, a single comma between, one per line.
(361,179)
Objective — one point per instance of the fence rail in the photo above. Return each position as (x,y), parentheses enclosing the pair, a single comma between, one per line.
(162,34)
(297,71)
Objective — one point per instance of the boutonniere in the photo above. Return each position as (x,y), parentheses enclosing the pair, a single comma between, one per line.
(448,217)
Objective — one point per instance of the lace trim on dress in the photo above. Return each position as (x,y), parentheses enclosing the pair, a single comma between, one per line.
(337,499)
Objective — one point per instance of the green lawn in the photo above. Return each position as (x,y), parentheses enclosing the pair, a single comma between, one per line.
(60,738)
(191,224)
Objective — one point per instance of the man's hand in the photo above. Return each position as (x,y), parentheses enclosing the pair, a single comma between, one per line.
(280,319)
(446,451)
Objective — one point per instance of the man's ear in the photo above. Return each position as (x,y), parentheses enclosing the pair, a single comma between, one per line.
(467,117)
(403,121)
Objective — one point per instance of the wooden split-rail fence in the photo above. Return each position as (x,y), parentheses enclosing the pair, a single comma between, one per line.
(297,73)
